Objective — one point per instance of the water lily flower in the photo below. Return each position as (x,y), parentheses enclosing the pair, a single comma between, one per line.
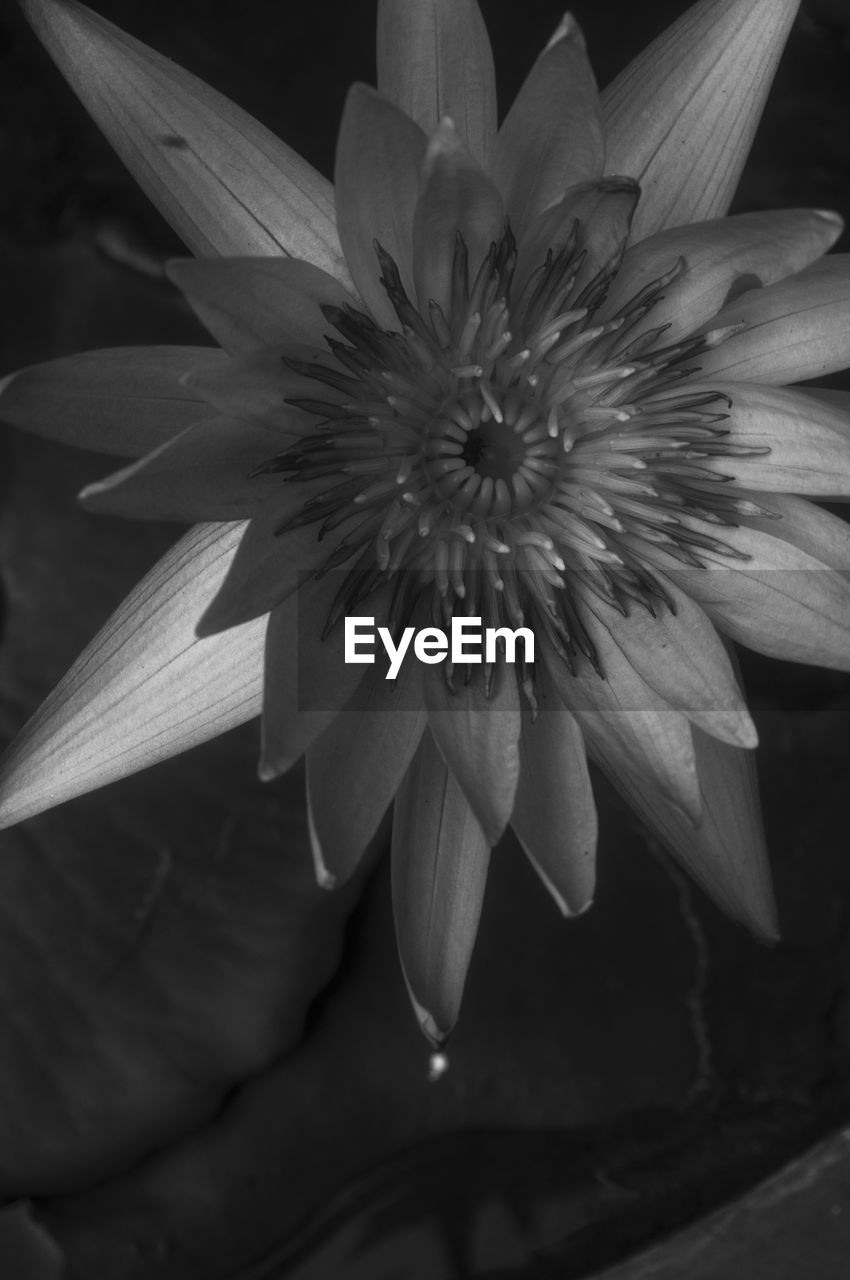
(526,373)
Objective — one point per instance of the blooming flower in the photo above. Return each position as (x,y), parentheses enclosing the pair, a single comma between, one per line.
(529,375)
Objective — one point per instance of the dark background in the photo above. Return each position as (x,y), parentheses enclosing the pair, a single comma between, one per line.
(651,1047)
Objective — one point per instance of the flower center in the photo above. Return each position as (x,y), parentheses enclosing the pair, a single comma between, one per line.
(491,457)
(513,455)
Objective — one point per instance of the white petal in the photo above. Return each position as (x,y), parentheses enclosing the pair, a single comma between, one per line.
(376,179)
(353,773)
(434,60)
(818,533)
(726,853)
(457,196)
(307,680)
(808,438)
(681,657)
(721,259)
(628,723)
(552,137)
(478,738)
(775,598)
(554,813)
(790,331)
(682,116)
(205,473)
(124,400)
(224,182)
(249,304)
(145,688)
(440,859)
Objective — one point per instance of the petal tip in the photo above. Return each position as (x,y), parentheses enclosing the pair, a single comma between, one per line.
(567,29)
(325,878)
(435,1034)
(763,921)
(829,215)
(266,771)
(444,141)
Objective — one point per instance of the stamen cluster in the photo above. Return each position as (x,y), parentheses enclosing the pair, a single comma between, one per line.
(504,456)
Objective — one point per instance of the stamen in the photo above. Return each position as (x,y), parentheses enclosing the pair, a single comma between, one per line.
(491,401)
(485,447)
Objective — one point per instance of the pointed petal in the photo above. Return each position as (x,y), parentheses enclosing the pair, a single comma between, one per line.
(808,438)
(252,303)
(353,773)
(478,738)
(224,183)
(602,209)
(146,688)
(628,723)
(682,658)
(722,258)
(777,599)
(205,473)
(124,400)
(457,197)
(793,330)
(552,137)
(379,157)
(267,564)
(554,814)
(682,116)
(440,858)
(434,60)
(726,854)
(307,680)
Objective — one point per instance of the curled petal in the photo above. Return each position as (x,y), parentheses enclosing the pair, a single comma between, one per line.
(726,853)
(682,116)
(434,60)
(145,689)
(440,858)
(808,439)
(457,197)
(379,159)
(552,137)
(124,400)
(554,813)
(720,259)
(478,737)
(224,182)
(600,213)
(353,773)
(205,473)
(680,655)
(249,304)
(790,331)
